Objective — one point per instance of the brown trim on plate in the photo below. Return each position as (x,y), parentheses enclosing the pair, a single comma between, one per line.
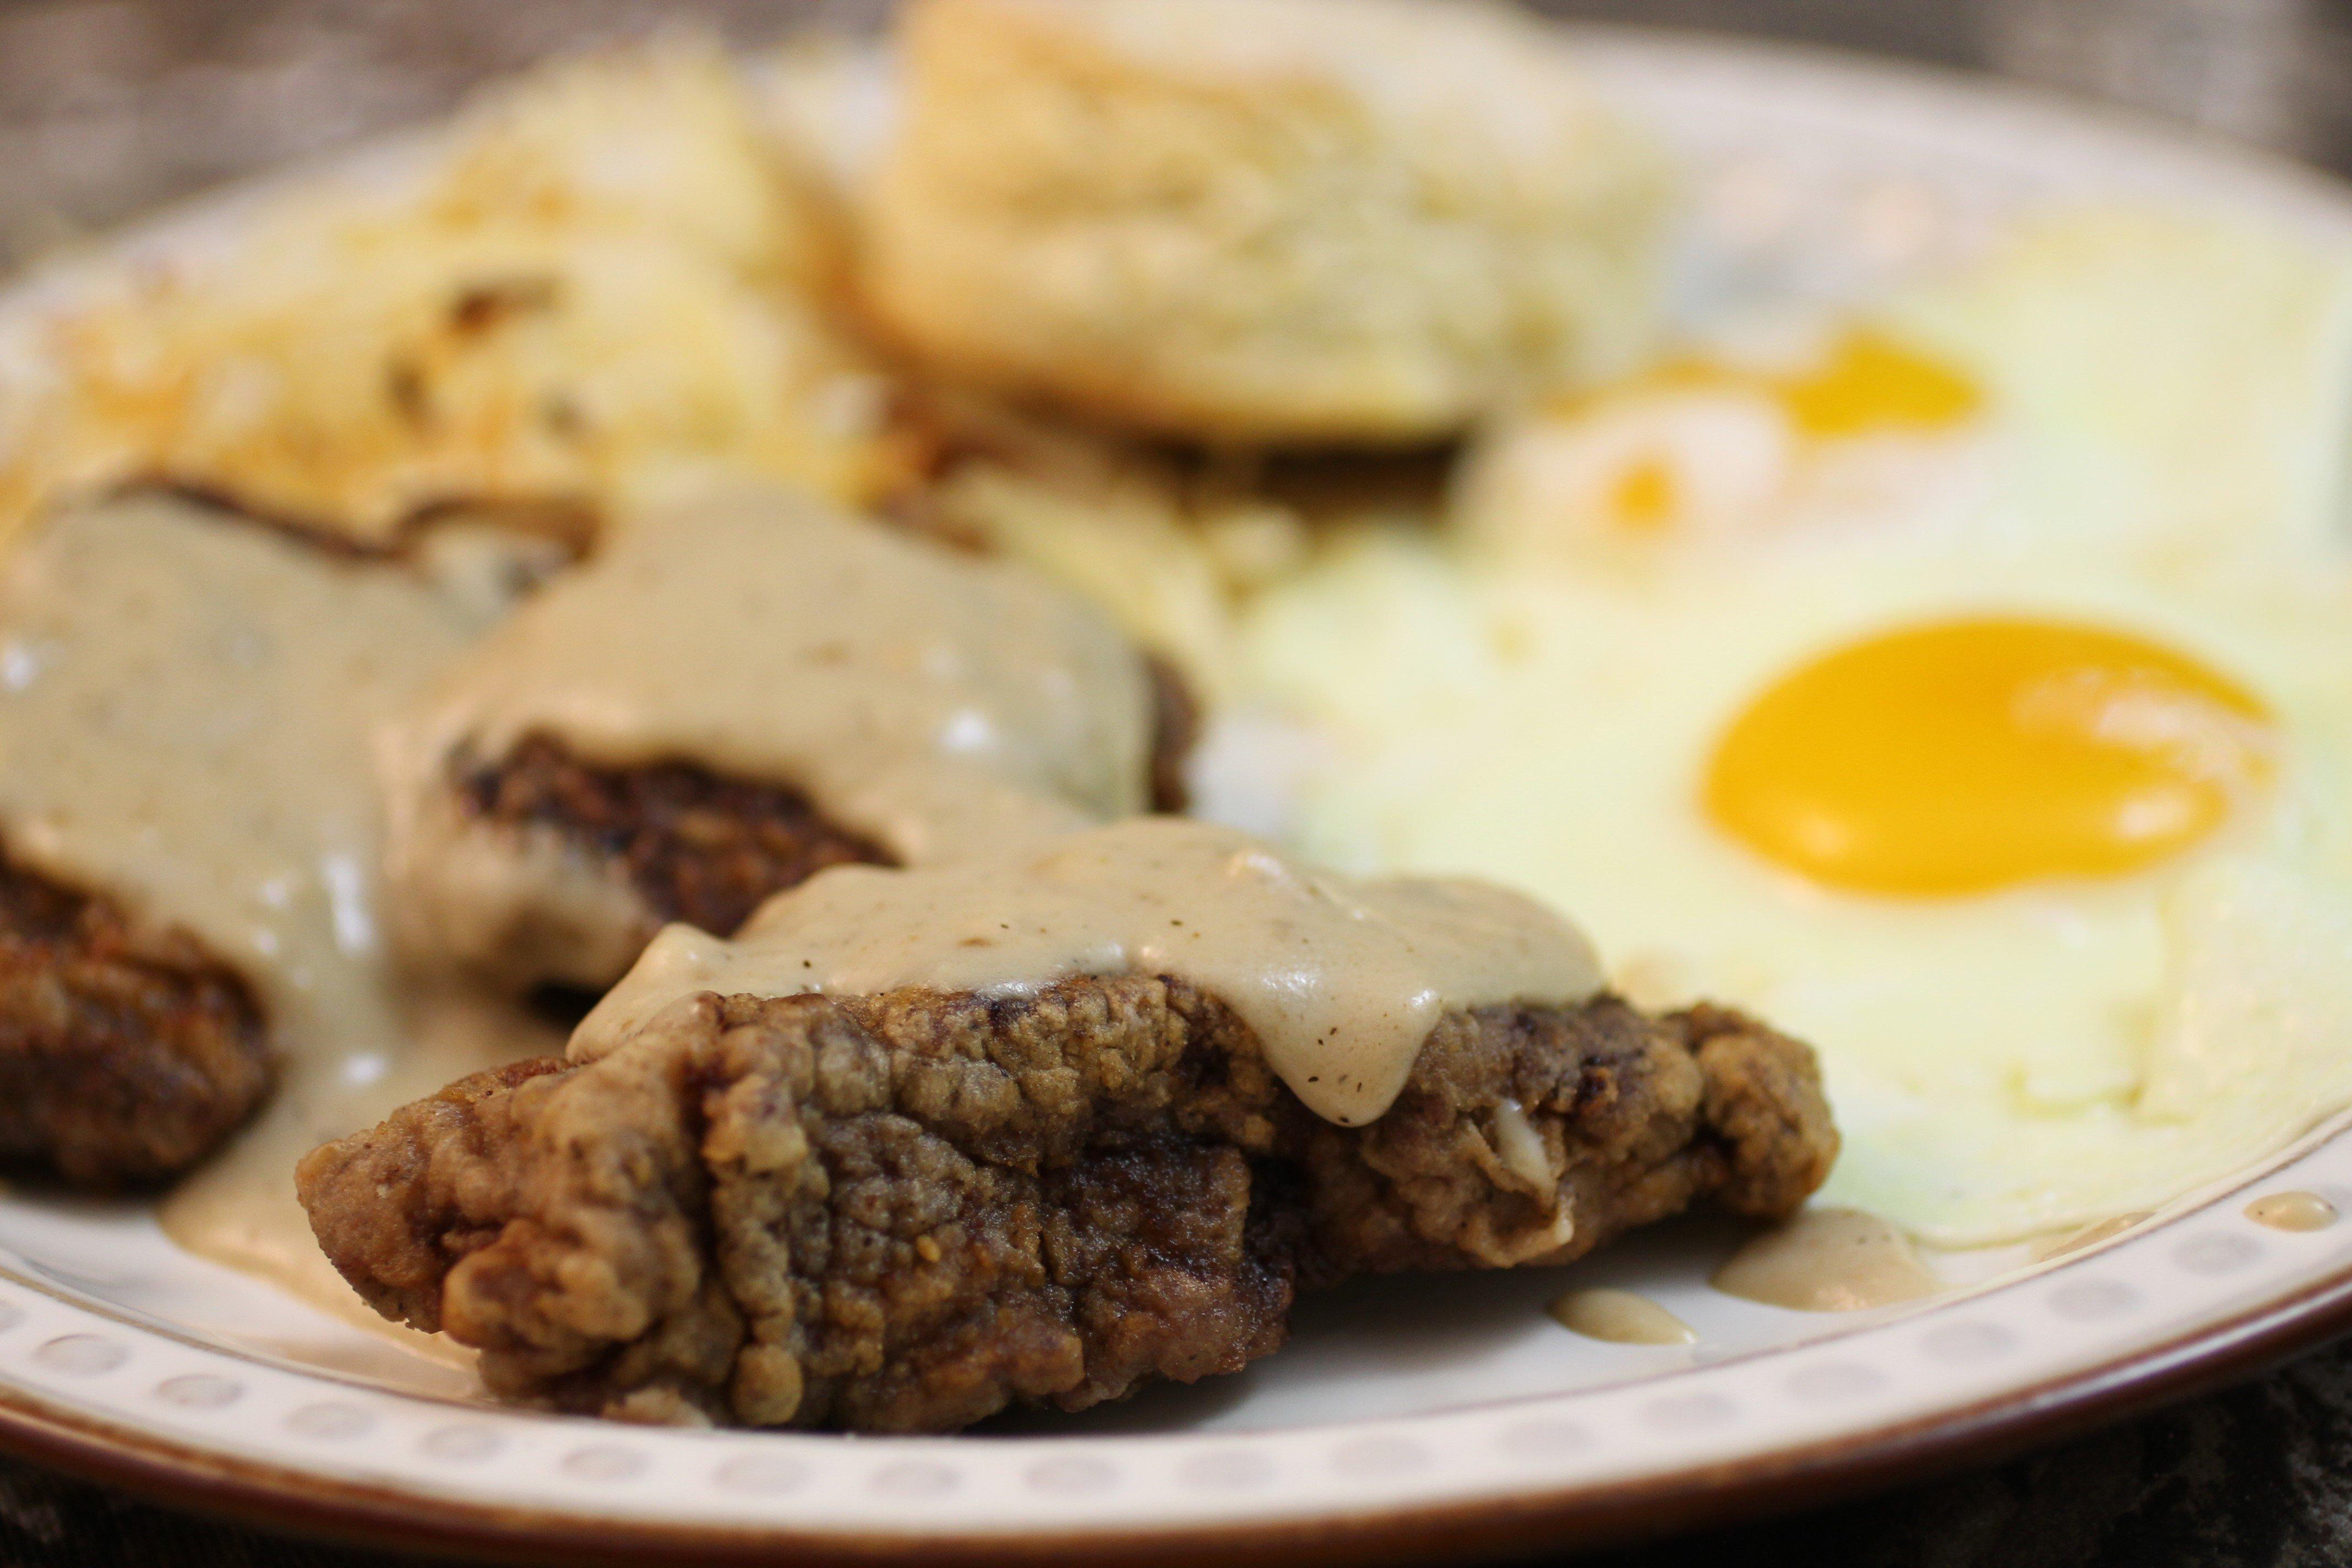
(1583,1516)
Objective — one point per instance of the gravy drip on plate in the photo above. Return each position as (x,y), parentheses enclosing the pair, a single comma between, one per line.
(932,701)
(1340,979)
(187,708)
(1828,1260)
(1621,1317)
(2291,1211)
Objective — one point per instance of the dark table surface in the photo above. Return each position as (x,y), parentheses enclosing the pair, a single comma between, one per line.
(98,99)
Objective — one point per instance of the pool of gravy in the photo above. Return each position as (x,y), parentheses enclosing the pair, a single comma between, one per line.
(2291,1211)
(1620,1317)
(1828,1260)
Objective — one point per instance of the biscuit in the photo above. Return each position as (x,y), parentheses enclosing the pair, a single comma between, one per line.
(1259,221)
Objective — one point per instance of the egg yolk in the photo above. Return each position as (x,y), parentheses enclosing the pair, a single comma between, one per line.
(1870,382)
(1866,382)
(1645,498)
(1973,754)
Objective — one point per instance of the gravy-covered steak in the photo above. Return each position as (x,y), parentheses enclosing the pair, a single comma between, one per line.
(188,803)
(923,1144)
(733,696)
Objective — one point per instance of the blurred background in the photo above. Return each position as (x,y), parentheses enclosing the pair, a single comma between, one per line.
(109,105)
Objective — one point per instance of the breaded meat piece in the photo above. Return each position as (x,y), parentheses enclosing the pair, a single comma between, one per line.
(730,696)
(686,844)
(124,1057)
(904,1213)
(694,846)
(1259,221)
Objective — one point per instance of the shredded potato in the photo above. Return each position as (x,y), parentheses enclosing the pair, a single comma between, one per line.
(599,285)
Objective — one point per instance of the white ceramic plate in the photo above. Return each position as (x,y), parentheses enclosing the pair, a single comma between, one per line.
(1407,1416)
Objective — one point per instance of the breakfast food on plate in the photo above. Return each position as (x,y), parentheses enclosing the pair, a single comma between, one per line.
(1949,671)
(188,807)
(2016,788)
(1039,1127)
(1258,220)
(731,694)
(597,283)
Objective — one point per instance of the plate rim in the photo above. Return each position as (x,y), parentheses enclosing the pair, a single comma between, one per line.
(1582,1515)
(208,1480)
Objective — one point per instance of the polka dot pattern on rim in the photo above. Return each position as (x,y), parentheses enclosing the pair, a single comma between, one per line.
(84,1355)
(1963,1343)
(1073,1473)
(1547,1438)
(1226,1470)
(198,1391)
(2088,1301)
(1379,1458)
(605,1462)
(2215,1252)
(1689,1412)
(332,1423)
(762,1475)
(462,1445)
(1835,1381)
(915,1478)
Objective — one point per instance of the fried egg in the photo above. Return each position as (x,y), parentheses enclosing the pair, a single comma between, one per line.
(1976,705)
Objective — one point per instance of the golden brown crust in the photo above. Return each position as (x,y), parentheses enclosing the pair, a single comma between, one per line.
(686,842)
(696,845)
(904,1213)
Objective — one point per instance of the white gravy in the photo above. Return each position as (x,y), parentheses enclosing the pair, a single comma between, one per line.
(1341,979)
(1828,1260)
(932,701)
(187,707)
(2291,1211)
(1621,1317)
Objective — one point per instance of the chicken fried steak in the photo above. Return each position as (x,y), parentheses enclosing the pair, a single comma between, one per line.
(903,1213)
(188,803)
(696,847)
(733,696)
(1040,1127)
(706,849)
(124,1057)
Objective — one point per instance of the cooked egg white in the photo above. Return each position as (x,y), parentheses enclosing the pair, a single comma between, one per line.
(2020,784)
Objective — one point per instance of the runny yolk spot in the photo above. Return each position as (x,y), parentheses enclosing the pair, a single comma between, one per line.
(1972,754)
(1870,382)
(1645,496)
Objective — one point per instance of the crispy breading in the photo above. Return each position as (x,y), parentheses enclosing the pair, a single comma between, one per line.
(904,1213)
(125,1056)
(672,841)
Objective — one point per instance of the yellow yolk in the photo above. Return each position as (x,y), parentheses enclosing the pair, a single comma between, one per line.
(1975,754)
(1866,383)
(1870,382)
(1646,497)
